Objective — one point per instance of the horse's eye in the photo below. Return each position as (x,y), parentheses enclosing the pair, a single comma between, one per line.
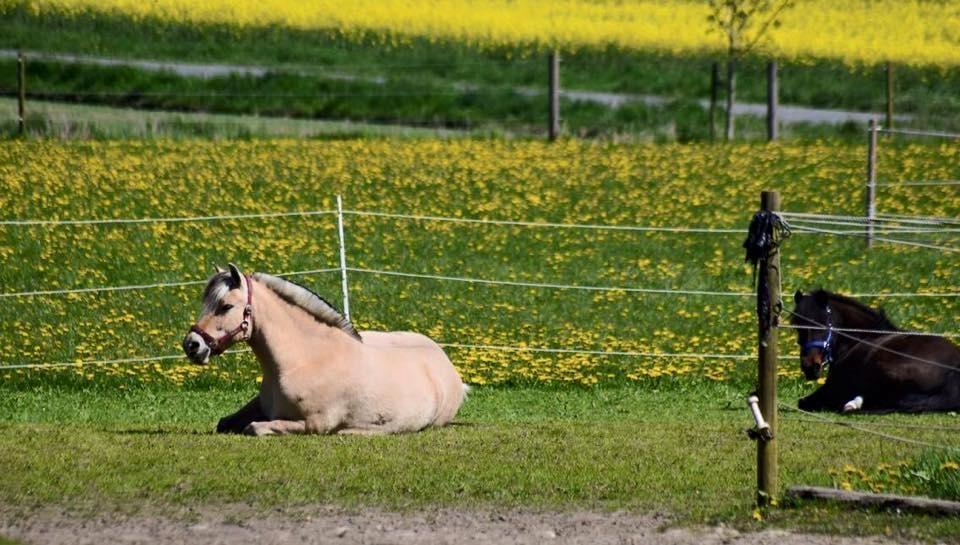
(224,308)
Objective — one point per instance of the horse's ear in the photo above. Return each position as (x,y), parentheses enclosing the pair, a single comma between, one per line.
(797,296)
(217,269)
(235,280)
(821,297)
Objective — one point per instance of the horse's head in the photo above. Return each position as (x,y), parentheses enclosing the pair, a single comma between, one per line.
(226,316)
(814,317)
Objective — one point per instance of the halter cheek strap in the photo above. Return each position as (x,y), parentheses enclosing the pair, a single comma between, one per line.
(219,344)
(825,345)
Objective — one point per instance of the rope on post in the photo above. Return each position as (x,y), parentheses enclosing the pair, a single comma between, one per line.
(767,231)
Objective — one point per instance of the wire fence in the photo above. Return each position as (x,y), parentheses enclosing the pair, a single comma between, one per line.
(880,227)
(913,132)
(306,91)
(465,279)
(177,219)
(872,219)
(432,277)
(452,278)
(801,222)
(815,418)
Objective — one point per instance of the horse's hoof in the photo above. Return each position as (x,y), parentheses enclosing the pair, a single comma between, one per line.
(257,429)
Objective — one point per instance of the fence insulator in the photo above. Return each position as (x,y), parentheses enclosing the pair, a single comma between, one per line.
(761,431)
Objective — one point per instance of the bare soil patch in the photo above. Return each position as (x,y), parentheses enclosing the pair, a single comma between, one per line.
(237,525)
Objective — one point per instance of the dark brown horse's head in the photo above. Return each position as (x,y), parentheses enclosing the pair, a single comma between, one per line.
(814,319)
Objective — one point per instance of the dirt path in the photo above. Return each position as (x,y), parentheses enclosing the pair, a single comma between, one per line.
(245,525)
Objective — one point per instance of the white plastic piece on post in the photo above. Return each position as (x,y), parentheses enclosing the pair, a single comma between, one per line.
(762,426)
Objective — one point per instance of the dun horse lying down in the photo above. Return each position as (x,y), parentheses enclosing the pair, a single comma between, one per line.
(873,367)
(319,374)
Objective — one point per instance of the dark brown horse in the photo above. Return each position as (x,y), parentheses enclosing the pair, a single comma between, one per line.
(877,369)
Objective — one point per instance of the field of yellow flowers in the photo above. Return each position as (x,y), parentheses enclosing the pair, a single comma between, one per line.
(855,31)
(570,182)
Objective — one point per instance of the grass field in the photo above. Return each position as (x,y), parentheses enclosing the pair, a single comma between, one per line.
(675,448)
(81,121)
(108,434)
(421,82)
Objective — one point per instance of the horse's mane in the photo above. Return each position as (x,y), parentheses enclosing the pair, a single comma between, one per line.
(316,306)
(878,315)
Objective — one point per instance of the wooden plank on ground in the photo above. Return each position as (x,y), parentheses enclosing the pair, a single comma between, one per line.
(866,499)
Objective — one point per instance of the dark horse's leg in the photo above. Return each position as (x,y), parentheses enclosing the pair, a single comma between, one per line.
(236,422)
(826,398)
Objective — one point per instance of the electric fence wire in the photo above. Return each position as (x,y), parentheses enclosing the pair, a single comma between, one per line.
(817,418)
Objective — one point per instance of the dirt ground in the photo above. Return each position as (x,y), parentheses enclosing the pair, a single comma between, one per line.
(244,525)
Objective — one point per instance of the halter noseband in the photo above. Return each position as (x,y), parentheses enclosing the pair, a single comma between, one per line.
(219,344)
(825,345)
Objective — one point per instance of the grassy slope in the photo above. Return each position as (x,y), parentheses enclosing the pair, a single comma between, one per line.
(428,68)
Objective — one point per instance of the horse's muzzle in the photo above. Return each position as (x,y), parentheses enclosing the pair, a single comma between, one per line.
(196,349)
(812,365)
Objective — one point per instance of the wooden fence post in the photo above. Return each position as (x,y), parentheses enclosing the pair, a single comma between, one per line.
(889,124)
(767,373)
(21,94)
(728,128)
(554,74)
(714,90)
(871,204)
(772,100)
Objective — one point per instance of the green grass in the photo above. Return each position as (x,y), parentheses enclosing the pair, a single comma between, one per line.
(641,448)
(65,121)
(422,82)
(408,101)
(139,435)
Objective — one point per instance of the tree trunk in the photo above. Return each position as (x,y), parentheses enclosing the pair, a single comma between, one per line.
(731,97)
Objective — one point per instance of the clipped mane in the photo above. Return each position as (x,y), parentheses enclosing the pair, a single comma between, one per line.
(878,316)
(316,306)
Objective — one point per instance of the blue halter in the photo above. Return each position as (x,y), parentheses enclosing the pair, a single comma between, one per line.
(825,345)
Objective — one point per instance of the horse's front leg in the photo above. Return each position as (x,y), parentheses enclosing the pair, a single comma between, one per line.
(276,427)
(238,421)
(826,398)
